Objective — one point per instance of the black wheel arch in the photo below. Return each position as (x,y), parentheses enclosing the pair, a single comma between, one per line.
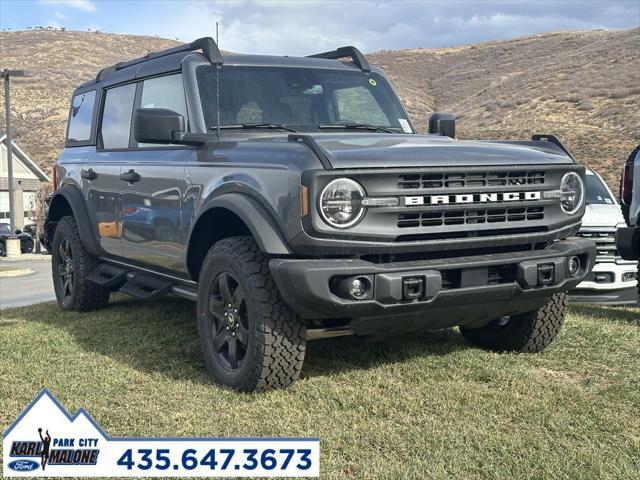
(68,200)
(241,215)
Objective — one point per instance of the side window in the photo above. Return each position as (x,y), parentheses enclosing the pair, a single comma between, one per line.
(116,116)
(164,92)
(358,105)
(80,117)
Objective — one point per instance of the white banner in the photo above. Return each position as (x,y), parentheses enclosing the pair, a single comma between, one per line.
(45,441)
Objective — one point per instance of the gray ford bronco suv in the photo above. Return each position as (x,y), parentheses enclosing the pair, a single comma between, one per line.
(293,199)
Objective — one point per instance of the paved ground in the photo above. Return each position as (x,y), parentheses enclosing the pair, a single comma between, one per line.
(30,289)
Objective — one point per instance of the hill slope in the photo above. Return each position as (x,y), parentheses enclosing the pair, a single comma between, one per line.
(582,86)
(59,62)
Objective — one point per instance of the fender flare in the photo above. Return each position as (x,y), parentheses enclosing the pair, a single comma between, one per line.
(75,199)
(263,227)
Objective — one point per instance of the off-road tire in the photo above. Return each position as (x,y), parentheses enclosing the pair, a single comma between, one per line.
(84,295)
(274,353)
(527,332)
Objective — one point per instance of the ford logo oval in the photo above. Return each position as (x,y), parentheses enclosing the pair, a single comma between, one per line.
(23,465)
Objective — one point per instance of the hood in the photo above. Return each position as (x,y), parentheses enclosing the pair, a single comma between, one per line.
(601,215)
(366,150)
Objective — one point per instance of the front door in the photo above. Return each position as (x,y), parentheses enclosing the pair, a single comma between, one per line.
(152,205)
(152,199)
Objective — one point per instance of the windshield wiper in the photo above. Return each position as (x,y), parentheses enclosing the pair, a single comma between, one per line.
(355,126)
(273,126)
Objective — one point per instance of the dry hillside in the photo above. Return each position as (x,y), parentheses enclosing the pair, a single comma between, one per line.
(582,86)
(58,61)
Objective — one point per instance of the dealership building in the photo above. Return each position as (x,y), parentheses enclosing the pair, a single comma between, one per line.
(27,179)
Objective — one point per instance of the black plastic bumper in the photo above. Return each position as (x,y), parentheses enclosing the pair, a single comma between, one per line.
(628,242)
(463,290)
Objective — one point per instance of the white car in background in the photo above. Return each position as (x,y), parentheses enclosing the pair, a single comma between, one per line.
(612,280)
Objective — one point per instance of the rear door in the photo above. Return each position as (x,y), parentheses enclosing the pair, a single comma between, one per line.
(152,205)
(101,175)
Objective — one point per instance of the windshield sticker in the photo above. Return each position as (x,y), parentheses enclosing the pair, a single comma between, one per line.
(373,82)
(406,128)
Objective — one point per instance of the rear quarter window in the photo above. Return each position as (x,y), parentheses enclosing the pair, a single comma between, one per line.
(80,117)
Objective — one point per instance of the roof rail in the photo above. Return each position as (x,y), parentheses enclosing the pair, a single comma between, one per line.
(356,56)
(206,44)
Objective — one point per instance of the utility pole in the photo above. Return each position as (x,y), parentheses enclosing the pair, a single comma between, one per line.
(6,75)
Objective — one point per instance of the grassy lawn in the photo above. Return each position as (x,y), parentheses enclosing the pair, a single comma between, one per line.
(421,406)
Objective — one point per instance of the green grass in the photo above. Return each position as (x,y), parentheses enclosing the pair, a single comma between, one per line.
(420,406)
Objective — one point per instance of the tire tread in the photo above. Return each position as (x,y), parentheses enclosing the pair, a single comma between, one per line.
(280,343)
(529,332)
(89,296)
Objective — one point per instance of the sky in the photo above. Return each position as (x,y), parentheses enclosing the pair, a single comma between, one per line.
(306,26)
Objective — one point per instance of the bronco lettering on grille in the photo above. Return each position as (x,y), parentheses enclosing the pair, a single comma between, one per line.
(471,198)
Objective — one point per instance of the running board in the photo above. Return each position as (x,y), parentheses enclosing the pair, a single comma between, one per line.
(145,287)
(108,276)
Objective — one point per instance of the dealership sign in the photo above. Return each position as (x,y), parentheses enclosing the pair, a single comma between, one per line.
(46,441)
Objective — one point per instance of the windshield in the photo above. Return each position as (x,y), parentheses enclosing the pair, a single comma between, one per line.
(303,99)
(5,228)
(597,192)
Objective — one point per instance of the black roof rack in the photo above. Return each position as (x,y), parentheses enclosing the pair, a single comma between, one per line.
(541,137)
(356,56)
(206,44)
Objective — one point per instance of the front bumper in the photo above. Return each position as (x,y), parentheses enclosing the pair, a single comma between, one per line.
(628,242)
(456,291)
(623,296)
(608,283)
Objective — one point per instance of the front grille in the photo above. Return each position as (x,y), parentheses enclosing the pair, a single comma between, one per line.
(515,204)
(605,243)
(437,218)
(471,180)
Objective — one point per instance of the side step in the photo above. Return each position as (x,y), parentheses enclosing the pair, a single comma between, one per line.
(145,287)
(108,276)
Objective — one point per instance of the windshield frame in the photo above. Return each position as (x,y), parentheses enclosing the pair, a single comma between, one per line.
(375,74)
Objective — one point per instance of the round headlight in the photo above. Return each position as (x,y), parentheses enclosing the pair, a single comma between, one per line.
(571,192)
(341,203)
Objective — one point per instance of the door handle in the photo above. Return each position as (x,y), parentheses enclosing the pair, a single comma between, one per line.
(88,174)
(131,176)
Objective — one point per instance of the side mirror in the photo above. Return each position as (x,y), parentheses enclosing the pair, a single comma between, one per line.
(158,125)
(442,123)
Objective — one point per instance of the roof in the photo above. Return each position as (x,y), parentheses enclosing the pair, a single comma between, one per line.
(173,62)
(26,160)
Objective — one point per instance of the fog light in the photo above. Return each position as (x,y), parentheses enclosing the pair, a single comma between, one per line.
(628,276)
(359,288)
(573,266)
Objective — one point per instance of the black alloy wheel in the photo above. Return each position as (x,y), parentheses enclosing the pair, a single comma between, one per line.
(229,320)
(71,265)
(65,267)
